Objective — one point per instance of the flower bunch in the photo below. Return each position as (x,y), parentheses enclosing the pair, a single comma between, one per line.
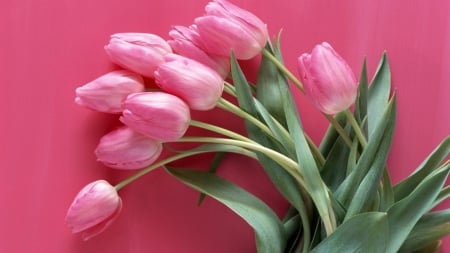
(340,192)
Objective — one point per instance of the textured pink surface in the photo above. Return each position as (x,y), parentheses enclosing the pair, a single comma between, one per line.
(50,47)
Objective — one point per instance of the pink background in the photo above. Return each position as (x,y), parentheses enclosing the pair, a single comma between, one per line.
(50,47)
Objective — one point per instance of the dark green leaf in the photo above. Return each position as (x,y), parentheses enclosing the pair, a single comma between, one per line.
(430,228)
(268,91)
(269,232)
(425,168)
(404,214)
(361,101)
(331,135)
(362,233)
(287,186)
(378,96)
(218,157)
(364,195)
(350,185)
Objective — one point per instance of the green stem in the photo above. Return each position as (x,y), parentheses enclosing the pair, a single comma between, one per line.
(220,130)
(286,136)
(228,106)
(287,163)
(283,69)
(356,128)
(339,129)
(154,166)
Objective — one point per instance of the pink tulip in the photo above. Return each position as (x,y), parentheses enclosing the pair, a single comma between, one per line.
(126,149)
(328,80)
(226,27)
(94,208)
(198,85)
(158,115)
(106,93)
(138,52)
(187,42)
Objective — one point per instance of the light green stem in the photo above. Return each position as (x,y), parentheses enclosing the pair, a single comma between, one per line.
(287,163)
(220,130)
(155,166)
(286,136)
(339,129)
(228,106)
(283,69)
(356,128)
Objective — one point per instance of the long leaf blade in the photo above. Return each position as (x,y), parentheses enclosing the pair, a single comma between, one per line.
(378,96)
(404,214)
(269,232)
(362,233)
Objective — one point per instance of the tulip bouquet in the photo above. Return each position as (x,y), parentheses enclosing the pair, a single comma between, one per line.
(340,193)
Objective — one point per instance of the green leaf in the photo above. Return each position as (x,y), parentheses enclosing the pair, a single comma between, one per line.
(424,169)
(269,232)
(334,170)
(331,135)
(362,233)
(268,92)
(361,101)
(285,184)
(378,96)
(386,192)
(308,167)
(350,185)
(404,214)
(214,165)
(367,190)
(430,228)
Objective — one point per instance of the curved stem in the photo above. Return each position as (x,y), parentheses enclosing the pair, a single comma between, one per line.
(339,129)
(356,128)
(176,157)
(287,163)
(285,134)
(283,69)
(228,106)
(152,167)
(220,130)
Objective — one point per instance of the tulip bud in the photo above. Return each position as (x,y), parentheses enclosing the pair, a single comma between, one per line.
(94,208)
(328,80)
(226,27)
(138,52)
(187,42)
(158,115)
(126,149)
(106,93)
(198,85)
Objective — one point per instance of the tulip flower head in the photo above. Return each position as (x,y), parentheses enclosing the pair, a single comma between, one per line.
(198,85)
(138,52)
(94,208)
(126,149)
(158,115)
(328,80)
(106,93)
(187,42)
(226,27)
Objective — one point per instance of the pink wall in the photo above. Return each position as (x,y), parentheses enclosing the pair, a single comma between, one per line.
(50,47)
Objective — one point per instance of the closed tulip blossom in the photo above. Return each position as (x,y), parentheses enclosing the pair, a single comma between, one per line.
(226,27)
(138,52)
(126,149)
(158,115)
(198,85)
(94,208)
(106,93)
(328,80)
(187,42)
